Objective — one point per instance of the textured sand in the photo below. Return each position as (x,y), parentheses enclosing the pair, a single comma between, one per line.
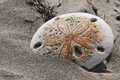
(18,62)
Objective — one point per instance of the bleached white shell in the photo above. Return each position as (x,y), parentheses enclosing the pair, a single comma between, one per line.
(80,37)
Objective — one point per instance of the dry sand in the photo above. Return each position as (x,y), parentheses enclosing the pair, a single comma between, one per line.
(18,62)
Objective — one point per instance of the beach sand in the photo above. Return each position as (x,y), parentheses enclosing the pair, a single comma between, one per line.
(18,23)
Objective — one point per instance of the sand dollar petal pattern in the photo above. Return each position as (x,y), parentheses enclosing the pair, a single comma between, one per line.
(82,37)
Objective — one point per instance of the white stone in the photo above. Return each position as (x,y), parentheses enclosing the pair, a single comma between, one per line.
(80,37)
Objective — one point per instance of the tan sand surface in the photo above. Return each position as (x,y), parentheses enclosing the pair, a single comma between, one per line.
(18,62)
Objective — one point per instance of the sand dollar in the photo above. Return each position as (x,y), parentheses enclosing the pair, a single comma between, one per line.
(80,37)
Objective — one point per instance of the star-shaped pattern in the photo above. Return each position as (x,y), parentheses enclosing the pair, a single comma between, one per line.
(72,32)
